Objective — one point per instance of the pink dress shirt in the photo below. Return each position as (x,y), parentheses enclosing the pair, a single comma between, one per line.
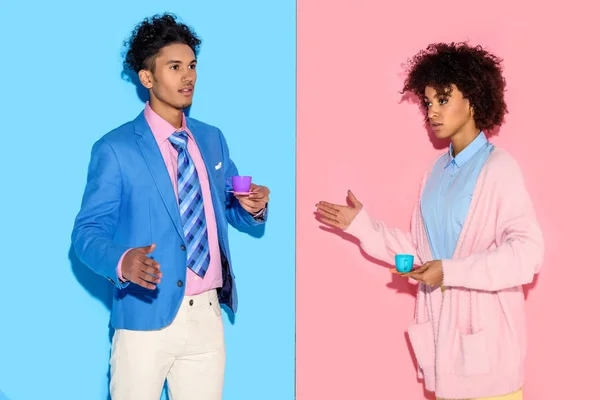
(161,130)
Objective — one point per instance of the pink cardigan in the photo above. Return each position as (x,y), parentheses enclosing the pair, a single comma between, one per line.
(470,340)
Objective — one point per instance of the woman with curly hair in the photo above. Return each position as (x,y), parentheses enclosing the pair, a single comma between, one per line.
(473,233)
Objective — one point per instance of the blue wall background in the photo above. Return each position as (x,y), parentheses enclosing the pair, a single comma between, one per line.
(61,65)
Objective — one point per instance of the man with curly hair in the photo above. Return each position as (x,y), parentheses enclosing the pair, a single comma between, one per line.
(474,234)
(154,220)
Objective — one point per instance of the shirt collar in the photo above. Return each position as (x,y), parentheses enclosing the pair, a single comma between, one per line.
(468,152)
(161,129)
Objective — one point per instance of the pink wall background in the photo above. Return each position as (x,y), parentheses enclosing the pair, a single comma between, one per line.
(354,134)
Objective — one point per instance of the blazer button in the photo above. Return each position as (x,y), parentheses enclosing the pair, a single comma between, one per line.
(182,247)
(179,283)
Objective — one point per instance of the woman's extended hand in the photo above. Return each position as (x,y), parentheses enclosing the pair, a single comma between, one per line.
(337,215)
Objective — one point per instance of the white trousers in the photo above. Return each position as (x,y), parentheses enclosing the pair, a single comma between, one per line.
(189,354)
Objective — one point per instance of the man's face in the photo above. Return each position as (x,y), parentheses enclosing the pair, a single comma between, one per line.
(174,76)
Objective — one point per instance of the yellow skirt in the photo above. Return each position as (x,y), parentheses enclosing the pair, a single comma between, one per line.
(518,395)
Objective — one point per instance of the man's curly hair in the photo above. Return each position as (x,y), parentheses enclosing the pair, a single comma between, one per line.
(476,73)
(151,35)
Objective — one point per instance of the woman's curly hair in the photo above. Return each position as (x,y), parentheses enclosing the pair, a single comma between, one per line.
(151,35)
(476,73)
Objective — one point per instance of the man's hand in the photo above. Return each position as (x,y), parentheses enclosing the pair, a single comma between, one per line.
(140,269)
(256,201)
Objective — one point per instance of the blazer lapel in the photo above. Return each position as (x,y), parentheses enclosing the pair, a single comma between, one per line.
(158,170)
(203,147)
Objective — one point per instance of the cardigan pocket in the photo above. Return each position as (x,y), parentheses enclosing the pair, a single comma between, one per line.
(422,342)
(473,358)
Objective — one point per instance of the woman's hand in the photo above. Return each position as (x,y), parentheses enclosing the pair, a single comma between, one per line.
(337,215)
(430,273)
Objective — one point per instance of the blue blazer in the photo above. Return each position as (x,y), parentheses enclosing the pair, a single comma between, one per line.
(129,202)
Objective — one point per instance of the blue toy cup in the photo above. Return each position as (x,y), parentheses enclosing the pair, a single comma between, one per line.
(404,262)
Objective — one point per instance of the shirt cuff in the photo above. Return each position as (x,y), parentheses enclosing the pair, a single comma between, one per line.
(260,215)
(119,274)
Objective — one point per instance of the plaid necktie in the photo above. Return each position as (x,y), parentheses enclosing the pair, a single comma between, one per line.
(191,207)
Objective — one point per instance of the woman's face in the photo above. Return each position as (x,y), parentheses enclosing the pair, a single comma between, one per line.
(448,113)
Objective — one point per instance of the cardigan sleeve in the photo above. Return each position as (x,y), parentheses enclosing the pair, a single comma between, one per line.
(381,241)
(519,253)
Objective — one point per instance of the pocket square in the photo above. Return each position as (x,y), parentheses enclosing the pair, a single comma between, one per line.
(219,165)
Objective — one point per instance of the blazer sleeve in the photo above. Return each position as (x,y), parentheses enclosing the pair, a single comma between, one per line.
(96,221)
(236,215)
